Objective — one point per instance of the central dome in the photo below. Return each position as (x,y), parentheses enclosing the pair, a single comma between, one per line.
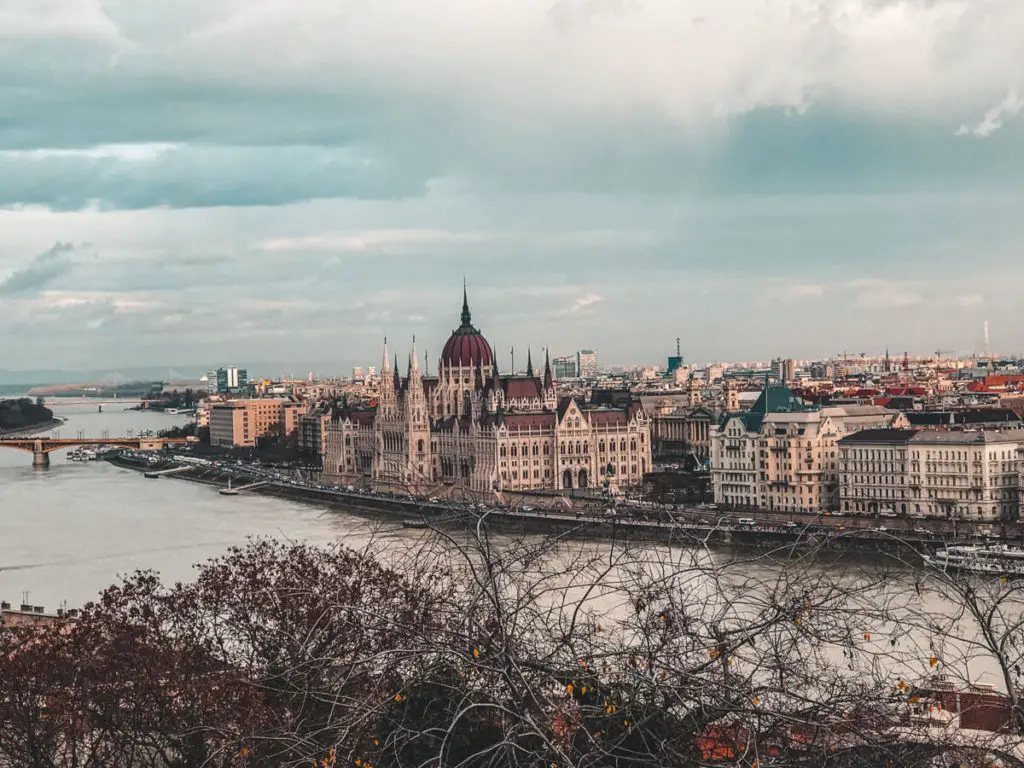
(466,346)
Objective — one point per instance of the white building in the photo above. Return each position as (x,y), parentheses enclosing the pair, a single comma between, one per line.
(472,429)
(951,474)
(586,364)
(782,454)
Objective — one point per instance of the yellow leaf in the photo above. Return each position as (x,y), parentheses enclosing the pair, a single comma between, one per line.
(933,661)
(867,635)
(626,723)
(756,701)
(662,617)
(583,690)
(398,697)
(1003,579)
(568,688)
(476,652)
(796,621)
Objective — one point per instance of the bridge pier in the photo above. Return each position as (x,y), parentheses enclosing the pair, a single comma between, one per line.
(40,458)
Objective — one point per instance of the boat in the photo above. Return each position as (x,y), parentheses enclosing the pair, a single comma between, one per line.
(995,560)
(415,524)
(84,453)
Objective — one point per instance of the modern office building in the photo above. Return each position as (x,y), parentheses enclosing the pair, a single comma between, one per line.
(586,364)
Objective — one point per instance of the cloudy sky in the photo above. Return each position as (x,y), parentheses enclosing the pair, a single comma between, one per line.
(186,182)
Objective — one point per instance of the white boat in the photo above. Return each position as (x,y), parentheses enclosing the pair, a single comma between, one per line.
(996,560)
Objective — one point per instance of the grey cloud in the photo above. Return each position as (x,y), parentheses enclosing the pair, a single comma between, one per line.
(199,176)
(44,269)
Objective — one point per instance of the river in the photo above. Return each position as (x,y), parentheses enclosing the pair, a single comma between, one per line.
(69,531)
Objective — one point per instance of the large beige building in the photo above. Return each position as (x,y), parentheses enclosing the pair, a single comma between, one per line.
(951,474)
(240,423)
(472,428)
(782,454)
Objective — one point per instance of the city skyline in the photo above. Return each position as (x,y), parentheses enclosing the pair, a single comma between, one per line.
(606,174)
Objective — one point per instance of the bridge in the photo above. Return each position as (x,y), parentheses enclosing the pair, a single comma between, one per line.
(42,447)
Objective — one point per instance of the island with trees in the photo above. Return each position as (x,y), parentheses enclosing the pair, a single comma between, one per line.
(24,414)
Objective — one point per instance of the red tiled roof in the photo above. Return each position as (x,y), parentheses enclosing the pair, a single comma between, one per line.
(524,421)
(520,388)
(608,418)
(466,349)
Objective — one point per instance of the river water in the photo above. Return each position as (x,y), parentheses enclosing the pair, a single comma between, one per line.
(69,531)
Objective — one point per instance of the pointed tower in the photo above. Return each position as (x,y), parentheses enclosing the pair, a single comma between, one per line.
(496,396)
(417,420)
(386,380)
(550,396)
(529,363)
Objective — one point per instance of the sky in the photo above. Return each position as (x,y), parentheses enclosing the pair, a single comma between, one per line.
(197,182)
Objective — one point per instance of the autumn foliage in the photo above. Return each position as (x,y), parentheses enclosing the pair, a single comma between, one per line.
(460,653)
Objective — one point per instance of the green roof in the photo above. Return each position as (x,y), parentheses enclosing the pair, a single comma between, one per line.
(779,399)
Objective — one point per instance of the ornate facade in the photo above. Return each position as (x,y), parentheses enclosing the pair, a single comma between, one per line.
(473,428)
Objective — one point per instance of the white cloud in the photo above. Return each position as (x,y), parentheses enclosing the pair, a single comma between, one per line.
(372,240)
(993,120)
(969,300)
(797,292)
(585,301)
(885,294)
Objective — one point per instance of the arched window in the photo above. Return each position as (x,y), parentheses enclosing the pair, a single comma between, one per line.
(586,447)
(526,449)
(502,451)
(570,449)
(545,449)
(561,449)
(419,446)
(632,445)
(622,444)
(535,449)
(515,450)
(600,447)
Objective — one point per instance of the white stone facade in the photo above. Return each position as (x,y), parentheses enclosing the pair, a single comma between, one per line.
(973,475)
(782,455)
(470,428)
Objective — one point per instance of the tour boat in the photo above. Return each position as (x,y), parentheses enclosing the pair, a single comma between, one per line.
(997,559)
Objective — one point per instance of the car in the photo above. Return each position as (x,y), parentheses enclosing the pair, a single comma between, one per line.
(920,530)
(527,509)
(791,524)
(747,521)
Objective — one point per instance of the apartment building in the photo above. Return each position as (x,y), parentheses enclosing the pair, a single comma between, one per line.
(970,474)
(782,454)
(240,423)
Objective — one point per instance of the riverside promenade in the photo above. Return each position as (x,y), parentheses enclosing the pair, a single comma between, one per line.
(605,521)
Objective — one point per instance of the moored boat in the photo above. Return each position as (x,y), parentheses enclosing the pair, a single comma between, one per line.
(995,560)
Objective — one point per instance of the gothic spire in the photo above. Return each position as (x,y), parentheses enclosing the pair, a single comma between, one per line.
(385,366)
(414,361)
(529,363)
(466,317)
(548,378)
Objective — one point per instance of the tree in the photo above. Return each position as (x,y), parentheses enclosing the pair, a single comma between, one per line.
(466,648)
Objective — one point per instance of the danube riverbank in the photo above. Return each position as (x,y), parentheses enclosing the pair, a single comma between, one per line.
(680,527)
(45,426)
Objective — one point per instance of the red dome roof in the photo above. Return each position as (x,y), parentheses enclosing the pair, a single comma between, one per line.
(467,346)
